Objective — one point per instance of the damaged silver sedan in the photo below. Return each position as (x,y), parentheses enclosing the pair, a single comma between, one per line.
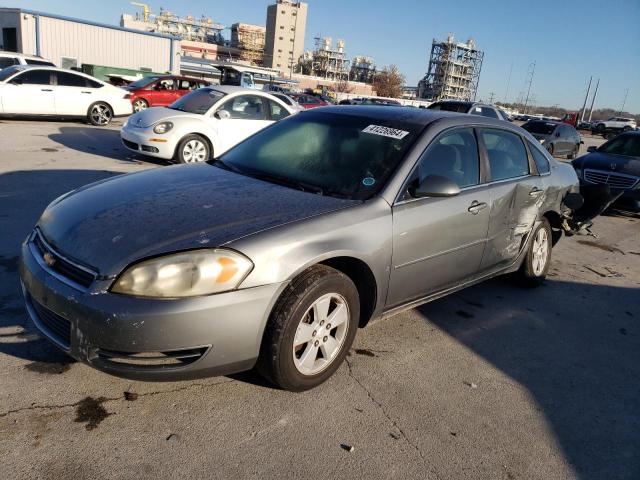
(274,254)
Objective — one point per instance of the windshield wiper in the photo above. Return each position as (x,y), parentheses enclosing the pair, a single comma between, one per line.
(222,164)
(287,182)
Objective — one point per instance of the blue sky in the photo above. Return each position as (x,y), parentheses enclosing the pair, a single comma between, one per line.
(569,39)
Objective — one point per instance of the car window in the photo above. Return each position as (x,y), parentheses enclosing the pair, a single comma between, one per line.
(184,84)
(345,155)
(542,162)
(627,144)
(66,79)
(7,62)
(34,77)
(30,61)
(164,84)
(453,155)
(507,155)
(278,112)
(245,107)
(309,99)
(488,112)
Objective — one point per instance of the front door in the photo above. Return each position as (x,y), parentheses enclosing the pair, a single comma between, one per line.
(438,242)
(163,92)
(516,195)
(30,93)
(248,114)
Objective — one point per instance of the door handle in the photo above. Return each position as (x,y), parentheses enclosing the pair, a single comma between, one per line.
(476,207)
(46,90)
(88,93)
(535,191)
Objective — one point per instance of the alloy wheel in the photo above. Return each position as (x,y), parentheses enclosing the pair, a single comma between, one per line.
(101,114)
(194,151)
(321,334)
(139,105)
(540,252)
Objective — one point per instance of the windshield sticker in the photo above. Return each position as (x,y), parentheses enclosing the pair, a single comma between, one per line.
(386,131)
(368,181)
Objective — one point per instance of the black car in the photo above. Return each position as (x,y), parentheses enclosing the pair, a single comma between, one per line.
(557,137)
(472,108)
(617,164)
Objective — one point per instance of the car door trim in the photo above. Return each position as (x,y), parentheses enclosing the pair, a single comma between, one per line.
(444,252)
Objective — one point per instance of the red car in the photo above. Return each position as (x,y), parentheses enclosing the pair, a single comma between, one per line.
(160,91)
(308,101)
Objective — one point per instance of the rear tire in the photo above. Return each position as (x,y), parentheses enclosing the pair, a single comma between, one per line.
(100,114)
(140,104)
(574,154)
(536,263)
(300,347)
(550,149)
(193,149)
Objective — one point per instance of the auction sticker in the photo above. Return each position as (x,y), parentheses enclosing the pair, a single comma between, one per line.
(386,131)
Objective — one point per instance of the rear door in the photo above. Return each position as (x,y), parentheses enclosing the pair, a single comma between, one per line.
(439,242)
(184,86)
(248,114)
(73,94)
(30,93)
(164,92)
(517,193)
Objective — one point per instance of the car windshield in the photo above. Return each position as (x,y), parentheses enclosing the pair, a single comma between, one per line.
(450,107)
(540,128)
(7,72)
(332,154)
(627,145)
(143,82)
(198,101)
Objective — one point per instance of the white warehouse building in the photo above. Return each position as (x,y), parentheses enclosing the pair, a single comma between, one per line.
(70,42)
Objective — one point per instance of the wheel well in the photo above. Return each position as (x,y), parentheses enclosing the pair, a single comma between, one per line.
(201,135)
(364,280)
(555,221)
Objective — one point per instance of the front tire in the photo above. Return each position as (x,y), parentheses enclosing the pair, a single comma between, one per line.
(100,114)
(193,149)
(536,263)
(310,330)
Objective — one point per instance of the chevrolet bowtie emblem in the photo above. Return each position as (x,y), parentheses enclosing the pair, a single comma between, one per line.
(613,166)
(49,259)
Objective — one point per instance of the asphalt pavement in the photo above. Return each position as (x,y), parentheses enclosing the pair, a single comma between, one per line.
(494,382)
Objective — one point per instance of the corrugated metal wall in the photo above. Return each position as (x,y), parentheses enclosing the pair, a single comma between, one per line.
(98,45)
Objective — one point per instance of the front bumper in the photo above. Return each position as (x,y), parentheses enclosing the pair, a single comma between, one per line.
(147,339)
(138,140)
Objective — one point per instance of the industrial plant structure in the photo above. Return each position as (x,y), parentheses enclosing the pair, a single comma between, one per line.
(326,61)
(454,71)
(363,69)
(249,39)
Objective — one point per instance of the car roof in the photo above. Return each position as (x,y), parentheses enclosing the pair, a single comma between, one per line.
(233,89)
(6,53)
(554,122)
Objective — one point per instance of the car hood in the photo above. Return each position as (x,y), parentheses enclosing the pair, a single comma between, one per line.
(112,223)
(153,115)
(605,161)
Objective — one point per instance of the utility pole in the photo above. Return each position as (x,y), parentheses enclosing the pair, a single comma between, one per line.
(491,97)
(530,72)
(584,105)
(506,94)
(595,92)
(626,94)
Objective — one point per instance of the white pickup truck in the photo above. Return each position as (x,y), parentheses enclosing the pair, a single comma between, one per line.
(614,125)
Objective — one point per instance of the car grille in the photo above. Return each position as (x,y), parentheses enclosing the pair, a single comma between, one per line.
(129,144)
(59,264)
(55,326)
(614,180)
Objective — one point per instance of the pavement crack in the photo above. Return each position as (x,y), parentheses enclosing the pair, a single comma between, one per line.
(388,417)
(113,399)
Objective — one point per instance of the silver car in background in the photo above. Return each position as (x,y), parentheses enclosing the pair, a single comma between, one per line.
(275,253)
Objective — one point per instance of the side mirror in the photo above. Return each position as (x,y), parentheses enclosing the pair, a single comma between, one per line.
(592,148)
(436,186)
(223,114)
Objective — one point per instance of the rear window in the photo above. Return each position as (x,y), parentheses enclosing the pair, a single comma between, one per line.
(7,72)
(143,82)
(540,128)
(450,107)
(31,61)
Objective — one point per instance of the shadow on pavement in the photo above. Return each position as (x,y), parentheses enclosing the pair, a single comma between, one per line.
(25,194)
(99,141)
(575,347)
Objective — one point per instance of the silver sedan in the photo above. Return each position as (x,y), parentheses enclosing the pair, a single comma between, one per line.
(275,253)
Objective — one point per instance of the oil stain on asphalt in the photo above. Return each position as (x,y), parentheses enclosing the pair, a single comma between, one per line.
(91,412)
(600,246)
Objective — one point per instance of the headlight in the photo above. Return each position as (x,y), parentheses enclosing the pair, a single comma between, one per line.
(186,274)
(542,140)
(163,127)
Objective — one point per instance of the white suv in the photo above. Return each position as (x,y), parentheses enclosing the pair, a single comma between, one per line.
(615,123)
(8,59)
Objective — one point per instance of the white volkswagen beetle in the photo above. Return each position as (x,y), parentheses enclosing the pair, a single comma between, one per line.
(204,123)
